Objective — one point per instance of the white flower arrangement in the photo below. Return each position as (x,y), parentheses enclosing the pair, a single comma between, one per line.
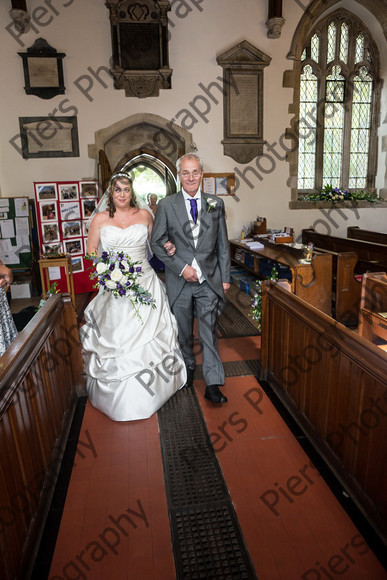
(116,273)
(211,204)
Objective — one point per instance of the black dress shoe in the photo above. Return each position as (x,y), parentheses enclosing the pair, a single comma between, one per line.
(190,376)
(214,394)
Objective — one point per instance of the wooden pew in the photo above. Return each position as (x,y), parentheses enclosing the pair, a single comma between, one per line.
(311,281)
(333,382)
(372,325)
(40,376)
(356,233)
(350,258)
(371,256)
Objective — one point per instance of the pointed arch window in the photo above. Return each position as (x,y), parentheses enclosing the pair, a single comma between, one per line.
(338,106)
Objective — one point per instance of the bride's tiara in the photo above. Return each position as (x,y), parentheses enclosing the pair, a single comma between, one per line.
(120,174)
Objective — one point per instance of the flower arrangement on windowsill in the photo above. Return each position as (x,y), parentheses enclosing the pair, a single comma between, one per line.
(256,306)
(335,195)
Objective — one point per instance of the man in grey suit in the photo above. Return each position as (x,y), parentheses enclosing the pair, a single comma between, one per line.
(197,275)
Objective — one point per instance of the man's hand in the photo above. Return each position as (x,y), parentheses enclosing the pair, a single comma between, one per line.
(189,274)
(226,286)
(170,248)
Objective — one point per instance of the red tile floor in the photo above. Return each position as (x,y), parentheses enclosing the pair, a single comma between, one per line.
(115,522)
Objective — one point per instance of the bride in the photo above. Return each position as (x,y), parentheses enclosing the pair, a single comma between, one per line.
(132,361)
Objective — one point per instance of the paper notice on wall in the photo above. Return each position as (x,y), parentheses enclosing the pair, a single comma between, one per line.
(7,229)
(5,246)
(4,204)
(209,185)
(22,227)
(21,207)
(10,258)
(221,186)
(54,273)
(23,244)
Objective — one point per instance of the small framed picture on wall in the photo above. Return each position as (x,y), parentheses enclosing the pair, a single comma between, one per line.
(73,246)
(88,206)
(77,264)
(69,210)
(68,191)
(52,249)
(48,211)
(45,191)
(50,233)
(89,188)
(71,229)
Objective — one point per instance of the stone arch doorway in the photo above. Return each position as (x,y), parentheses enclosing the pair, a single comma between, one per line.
(152,173)
(143,138)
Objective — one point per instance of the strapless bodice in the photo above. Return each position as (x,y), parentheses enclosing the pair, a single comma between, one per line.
(131,240)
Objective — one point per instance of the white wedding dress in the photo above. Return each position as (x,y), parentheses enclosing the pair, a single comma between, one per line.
(132,366)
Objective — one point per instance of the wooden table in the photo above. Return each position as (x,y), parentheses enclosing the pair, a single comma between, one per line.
(63,262)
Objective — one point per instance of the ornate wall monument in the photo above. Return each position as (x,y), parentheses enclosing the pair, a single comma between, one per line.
(140,46)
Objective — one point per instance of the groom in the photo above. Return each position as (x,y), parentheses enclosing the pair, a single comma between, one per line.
(198,273)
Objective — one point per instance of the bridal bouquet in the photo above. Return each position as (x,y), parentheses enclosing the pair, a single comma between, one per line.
(116,273)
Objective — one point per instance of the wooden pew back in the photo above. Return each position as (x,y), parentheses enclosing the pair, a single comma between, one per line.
(334,384)
(40,375)
(356,233)
(371,256)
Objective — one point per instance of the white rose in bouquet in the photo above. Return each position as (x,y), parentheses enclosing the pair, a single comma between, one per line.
(117,275)
(101,267)
(110,284)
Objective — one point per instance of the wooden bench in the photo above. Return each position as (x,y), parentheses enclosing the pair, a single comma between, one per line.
(40,379)
(311,281)
(372,324)
(333,382)
(356,233)
(351,258)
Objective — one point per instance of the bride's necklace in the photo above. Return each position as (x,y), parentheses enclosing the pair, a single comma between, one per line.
(122,219)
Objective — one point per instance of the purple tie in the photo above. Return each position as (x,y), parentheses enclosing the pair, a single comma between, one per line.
(194,210)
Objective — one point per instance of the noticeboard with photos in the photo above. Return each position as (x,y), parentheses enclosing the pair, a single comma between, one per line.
(63,209)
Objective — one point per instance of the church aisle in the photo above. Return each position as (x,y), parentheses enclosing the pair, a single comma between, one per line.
(115,522)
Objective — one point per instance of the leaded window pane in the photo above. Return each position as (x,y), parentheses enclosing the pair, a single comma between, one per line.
(344,42)
(315,47)
(360,129)
(331,53)
(333,143)
(307,129)
(359,50)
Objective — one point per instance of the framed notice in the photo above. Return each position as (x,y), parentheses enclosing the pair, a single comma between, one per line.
(219,183)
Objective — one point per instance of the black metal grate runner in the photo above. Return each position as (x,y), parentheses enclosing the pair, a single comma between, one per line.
(232,323)
(207,540)
(239,368)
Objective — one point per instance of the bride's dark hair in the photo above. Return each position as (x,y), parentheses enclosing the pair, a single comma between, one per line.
(119,176)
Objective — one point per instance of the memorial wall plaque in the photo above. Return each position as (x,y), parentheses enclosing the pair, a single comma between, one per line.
(139,33)
(243,101)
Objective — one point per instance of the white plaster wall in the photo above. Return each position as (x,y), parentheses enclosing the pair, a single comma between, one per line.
(202,30)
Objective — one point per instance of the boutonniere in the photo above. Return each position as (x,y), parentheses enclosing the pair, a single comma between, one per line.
(211,204)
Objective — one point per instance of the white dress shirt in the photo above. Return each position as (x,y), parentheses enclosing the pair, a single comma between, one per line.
(194,227)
